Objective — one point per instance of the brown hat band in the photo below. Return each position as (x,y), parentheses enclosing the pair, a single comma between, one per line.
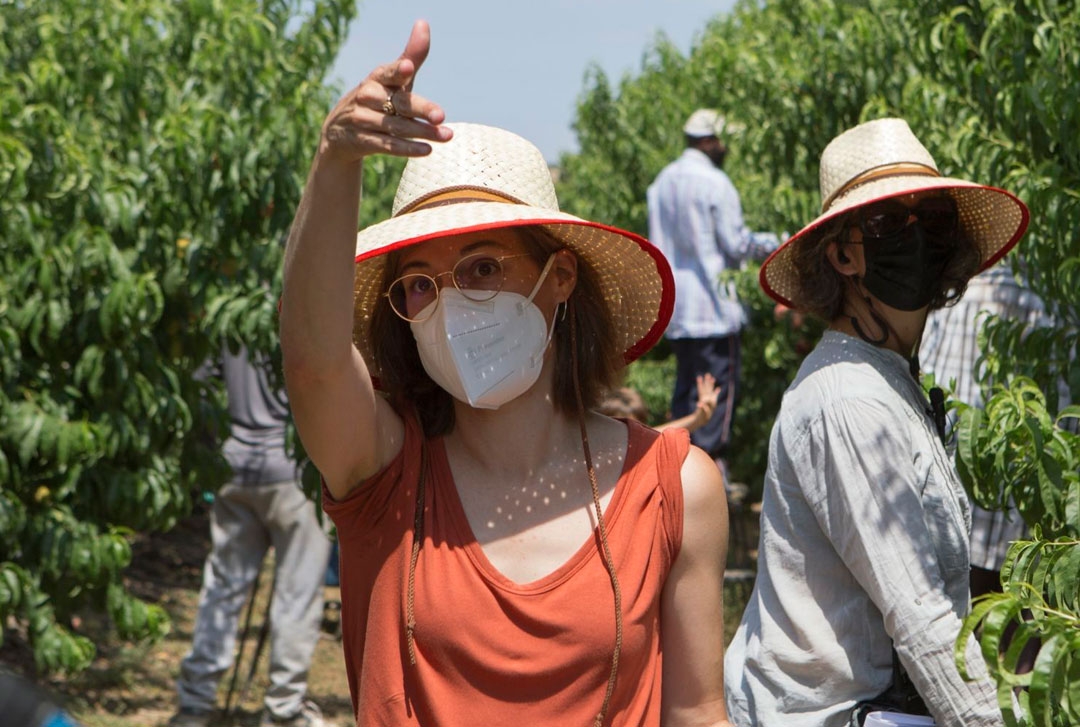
(453,196)
(885,170)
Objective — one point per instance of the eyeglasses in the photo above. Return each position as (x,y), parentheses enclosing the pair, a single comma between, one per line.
(479,277)
(937,215)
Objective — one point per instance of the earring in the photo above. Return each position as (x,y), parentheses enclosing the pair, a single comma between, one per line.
(561,314)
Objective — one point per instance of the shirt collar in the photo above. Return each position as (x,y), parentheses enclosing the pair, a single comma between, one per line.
(697,156)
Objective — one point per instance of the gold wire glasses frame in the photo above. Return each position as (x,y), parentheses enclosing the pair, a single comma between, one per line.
(479,277)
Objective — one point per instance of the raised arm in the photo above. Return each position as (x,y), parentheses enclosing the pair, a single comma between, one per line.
(708,395)
(692,610)
(348,430)
(733,236)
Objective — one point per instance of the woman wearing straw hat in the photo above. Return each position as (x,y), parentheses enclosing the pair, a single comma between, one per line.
(863,562)
(507,556)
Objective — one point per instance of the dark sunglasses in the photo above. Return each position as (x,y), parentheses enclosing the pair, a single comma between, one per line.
(937,215)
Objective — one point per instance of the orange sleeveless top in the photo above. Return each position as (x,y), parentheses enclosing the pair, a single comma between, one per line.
(490,651)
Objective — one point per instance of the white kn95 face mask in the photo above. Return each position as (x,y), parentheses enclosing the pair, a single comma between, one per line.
(484,353)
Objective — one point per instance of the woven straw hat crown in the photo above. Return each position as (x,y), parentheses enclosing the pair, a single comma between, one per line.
(504,164)
(874,150)
(882,159)
(487,178)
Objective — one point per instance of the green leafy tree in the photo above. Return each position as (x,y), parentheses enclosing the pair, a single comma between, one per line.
(990,87)
(151,156)
(1013,449)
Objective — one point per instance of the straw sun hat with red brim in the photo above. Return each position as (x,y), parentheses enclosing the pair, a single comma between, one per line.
(487,178)
(882,159)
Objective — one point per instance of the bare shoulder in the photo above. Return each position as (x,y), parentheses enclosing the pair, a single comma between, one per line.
(705,512)
(702,482)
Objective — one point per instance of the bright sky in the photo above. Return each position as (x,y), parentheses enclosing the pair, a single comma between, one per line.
(518,64)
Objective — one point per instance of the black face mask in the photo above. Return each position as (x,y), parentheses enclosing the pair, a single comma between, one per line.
(717,157)
(904,269)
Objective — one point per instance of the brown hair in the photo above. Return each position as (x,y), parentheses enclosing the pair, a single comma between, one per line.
(405,382)
(821,286)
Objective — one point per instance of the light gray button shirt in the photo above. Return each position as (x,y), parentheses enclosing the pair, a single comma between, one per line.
(695,218)
(864,544)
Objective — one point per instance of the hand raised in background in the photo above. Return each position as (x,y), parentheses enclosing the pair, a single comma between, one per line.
(707,393)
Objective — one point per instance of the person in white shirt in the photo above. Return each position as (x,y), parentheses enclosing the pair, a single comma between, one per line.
(863,559)
(695,218)
(950,350)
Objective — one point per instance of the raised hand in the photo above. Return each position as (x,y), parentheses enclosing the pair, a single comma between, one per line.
(708,394)
(382,115)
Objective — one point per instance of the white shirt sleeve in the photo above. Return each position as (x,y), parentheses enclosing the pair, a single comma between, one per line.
(873,495)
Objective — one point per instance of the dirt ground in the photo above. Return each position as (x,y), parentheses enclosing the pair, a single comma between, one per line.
(133,685)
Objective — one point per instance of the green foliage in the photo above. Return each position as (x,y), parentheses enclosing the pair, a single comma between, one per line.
(990,88)
(1042,577)
(653,376)
(151,156)
(1014,449)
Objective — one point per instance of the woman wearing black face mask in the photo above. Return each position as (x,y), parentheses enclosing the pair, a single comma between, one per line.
(863,561)
(906,254)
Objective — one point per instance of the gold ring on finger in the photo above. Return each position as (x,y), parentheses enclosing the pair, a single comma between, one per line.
(388,105)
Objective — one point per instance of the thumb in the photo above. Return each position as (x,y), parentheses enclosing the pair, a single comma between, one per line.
(415,53)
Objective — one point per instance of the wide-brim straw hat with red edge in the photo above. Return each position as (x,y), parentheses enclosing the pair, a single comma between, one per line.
(882,159)
(487,178)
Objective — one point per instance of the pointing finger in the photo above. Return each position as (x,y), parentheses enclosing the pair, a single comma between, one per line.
(402,72)
(417,48)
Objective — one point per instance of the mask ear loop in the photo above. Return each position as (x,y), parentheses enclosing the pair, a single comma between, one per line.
(877,320)
(527,301)
(550,334)
(880,322)
(539,282)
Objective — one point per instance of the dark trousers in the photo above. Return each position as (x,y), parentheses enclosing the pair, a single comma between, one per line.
(721,358)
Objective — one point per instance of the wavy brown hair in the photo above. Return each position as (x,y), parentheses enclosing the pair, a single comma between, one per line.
(600,362)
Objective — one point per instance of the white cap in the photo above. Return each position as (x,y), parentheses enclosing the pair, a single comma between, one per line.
(704,122)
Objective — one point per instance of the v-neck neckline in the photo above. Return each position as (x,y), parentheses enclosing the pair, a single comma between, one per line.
(447,488)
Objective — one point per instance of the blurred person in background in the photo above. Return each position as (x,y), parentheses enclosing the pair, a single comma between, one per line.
(950,351)
(262,506)
(696,219)
(625,402)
